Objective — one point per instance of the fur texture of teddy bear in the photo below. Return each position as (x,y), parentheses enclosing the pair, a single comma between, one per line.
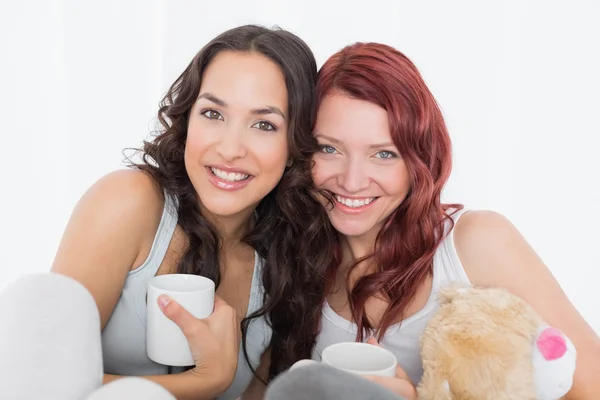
(486,343)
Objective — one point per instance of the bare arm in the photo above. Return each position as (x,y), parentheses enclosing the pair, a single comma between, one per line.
(105,235)
(108,234)
(256,390)
(495,254)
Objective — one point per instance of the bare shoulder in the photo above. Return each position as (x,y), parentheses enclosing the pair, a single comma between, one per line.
(481,239)
(472,224)
(130,200)
(108,232)
(495,254)
(127,190)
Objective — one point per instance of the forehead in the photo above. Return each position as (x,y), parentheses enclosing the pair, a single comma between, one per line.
(352,121)
(247,77)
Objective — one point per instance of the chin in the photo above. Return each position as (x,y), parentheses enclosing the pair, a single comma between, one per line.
(223,208)
(351,228)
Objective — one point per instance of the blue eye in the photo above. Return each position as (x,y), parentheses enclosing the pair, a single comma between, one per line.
(328,149)
(385,155)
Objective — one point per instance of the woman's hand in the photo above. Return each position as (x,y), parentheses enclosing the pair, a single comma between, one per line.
(214,341)
(400,385)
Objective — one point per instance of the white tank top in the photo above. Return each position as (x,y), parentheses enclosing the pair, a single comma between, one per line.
(402,339)
(124,336)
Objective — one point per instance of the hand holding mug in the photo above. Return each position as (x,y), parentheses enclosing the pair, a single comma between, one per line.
(369,360)
(213,341)
(400,384)
(357,358)
(187,325)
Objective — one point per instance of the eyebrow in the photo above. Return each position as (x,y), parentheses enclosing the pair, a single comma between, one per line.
(268,110)
(371,146)
(381,145)
(332,140)
(256,111)
(211,97)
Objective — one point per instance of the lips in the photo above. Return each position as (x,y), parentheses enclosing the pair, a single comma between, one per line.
(354,202)
(228,178)
(353,205)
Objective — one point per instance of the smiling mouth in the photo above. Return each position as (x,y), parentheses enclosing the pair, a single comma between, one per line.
(228,180)
(228,176)
(354,204)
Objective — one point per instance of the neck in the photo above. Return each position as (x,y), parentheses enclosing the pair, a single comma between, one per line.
(231,228)
(354,248)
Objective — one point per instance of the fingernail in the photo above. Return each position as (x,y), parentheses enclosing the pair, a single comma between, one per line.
(163,301)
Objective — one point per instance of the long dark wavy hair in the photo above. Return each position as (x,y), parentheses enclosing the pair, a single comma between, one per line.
(286,234)
(406,244)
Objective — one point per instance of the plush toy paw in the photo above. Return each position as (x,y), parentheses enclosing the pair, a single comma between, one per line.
(554,358)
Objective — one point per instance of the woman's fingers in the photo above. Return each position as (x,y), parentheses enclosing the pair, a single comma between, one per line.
(188,324)
(402,387)
(400,373)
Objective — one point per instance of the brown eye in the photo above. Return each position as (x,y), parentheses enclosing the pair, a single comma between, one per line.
(263,126)
(212,114)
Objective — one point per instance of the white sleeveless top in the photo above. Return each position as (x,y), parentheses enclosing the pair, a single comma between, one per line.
(402,339)
(124,336)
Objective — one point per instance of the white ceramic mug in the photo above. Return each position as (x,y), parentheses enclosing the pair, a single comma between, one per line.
(357,358)
(165,342)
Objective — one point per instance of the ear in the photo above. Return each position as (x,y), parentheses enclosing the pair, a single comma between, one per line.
(289,163)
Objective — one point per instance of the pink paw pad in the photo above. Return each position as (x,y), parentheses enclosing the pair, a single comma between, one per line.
(552,344)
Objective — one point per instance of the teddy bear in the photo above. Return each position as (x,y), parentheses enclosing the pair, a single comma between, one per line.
(486,343)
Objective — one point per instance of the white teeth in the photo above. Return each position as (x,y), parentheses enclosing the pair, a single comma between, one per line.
(228,176)
(354,203)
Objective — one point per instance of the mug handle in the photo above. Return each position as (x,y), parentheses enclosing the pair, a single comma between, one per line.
(303,363)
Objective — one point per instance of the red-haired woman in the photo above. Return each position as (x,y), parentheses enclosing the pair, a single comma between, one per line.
(384,157)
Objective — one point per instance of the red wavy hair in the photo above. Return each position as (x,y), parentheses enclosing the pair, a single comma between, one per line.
(406,244)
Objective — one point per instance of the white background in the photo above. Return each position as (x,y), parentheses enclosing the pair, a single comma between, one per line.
(518,82)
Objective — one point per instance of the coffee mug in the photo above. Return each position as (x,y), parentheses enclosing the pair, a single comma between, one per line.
(165,342)
(357,358)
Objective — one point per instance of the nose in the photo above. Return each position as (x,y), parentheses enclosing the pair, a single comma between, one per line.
(231,145)
(353,177)
(552,344)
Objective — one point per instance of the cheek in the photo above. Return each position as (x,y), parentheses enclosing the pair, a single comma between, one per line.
(197,139)
(396,182)
(319,171)
(271,153)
